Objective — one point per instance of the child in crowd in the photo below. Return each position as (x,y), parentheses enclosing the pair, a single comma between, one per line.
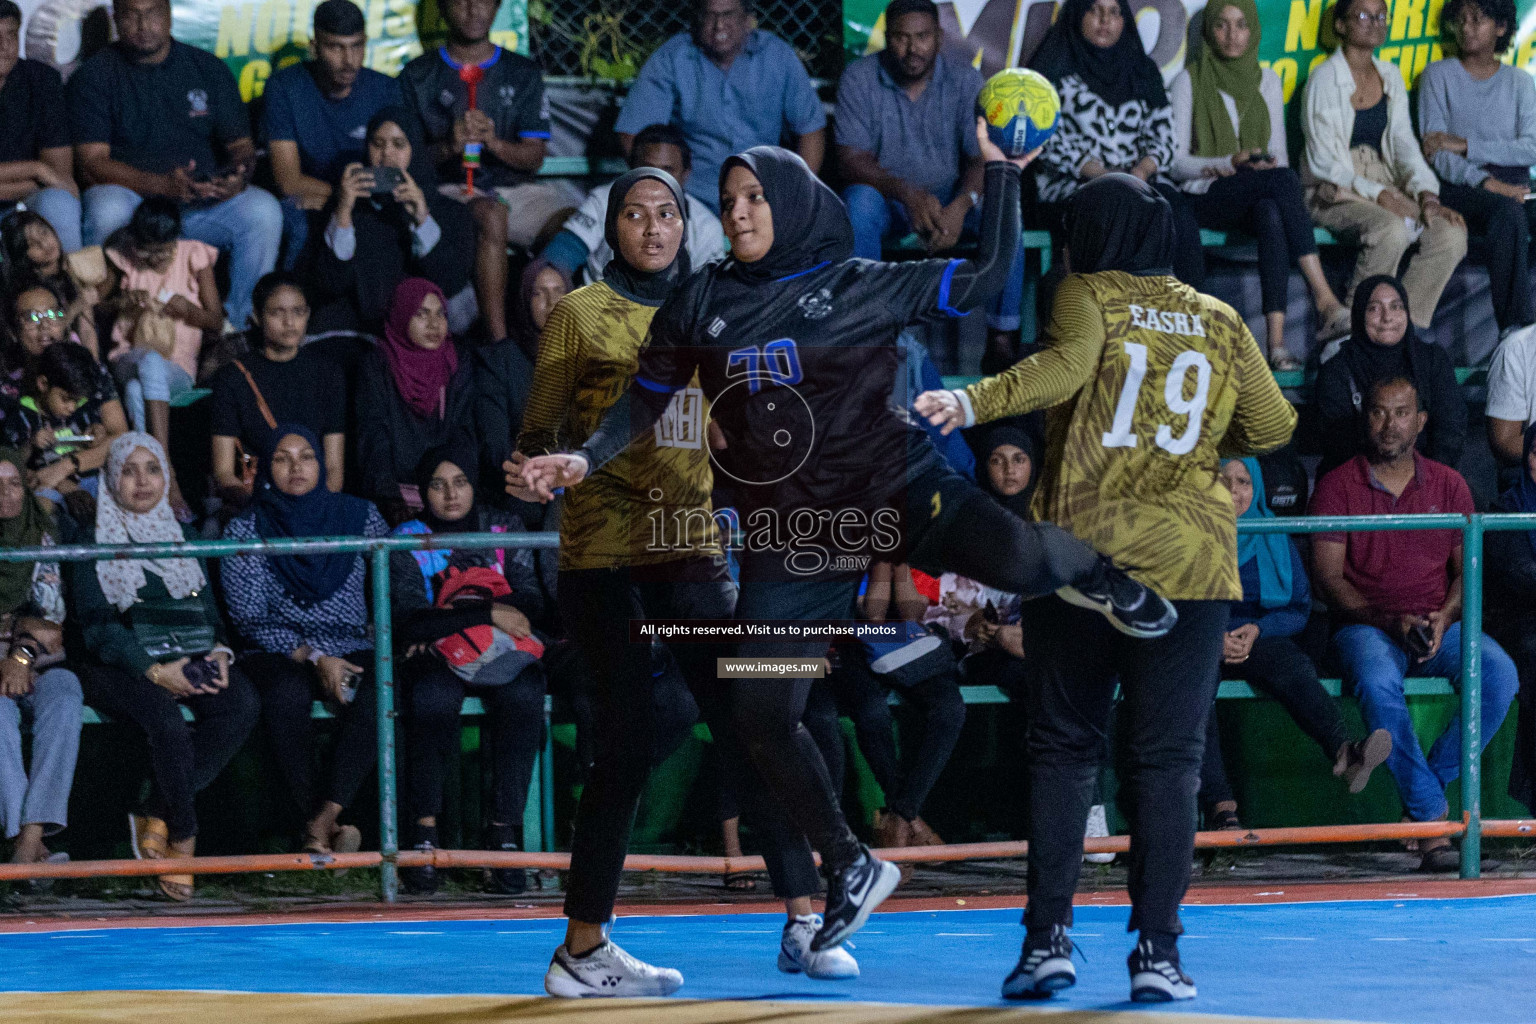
(58,423)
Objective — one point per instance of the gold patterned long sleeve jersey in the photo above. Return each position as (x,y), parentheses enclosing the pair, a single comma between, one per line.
(650,504)
(1149,384)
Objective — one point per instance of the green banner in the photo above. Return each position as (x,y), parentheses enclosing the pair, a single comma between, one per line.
(258,37)
(1297,34)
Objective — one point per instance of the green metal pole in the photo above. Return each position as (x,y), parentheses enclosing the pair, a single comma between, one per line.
(1472,695)
(384,682)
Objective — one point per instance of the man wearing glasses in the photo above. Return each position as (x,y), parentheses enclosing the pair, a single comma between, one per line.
(729,86)
(1366,179)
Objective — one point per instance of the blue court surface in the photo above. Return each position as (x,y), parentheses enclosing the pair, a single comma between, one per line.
(1420,961)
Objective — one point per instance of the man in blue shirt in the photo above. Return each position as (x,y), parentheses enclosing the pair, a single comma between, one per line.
(317,114)
(729,87)
(906,144)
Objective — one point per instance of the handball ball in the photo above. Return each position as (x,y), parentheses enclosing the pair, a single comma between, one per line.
(1021,109)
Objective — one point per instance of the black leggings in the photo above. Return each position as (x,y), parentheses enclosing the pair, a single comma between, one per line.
(1277,668)
(972,536)
(1504,225)
(1269,206)
(287,689)
(597,606)
(863,695)
(184,756)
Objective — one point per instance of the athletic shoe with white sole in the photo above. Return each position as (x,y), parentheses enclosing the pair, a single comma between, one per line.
(1130,606)
(1156,977)
(1044,968)
(607,971)
(1098,828)
(852,895)
(796,955)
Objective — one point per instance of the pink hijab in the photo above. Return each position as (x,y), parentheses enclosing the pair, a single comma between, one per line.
(421,377)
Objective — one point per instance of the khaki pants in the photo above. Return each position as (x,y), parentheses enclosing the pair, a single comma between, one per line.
(535,211)
(1383,238)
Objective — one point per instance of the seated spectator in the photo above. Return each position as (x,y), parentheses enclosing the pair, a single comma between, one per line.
(1511,561)
(1230,158)
(906,144)
(1478,123)
(36,163)
(152,116)
(281,382)
(415,391)
(435,602)
(37,317)
(376,239)
(507,132)
(1115,116)
(1010,453)
(33,681)
(304,626)
(1397,596)
(33,254)
(1366,180)
(581,242)
(1511,396)
(57,423)
(729,87)
(314,115)
(508,365)
(1382,344)
(1260,648)
(138,669)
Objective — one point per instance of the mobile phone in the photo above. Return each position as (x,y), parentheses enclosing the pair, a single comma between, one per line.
(70,437)
(385,180)
(348,687)
(1419,640)
(204,177)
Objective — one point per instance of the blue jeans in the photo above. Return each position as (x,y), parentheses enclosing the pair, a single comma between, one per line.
(1374,667)
(248,228)
(147,376)
(40,797)
(61,209)
(296,225)
(877,219)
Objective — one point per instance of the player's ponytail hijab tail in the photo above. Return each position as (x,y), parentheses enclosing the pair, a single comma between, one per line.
(638,285)
(1119,222)
(810,225)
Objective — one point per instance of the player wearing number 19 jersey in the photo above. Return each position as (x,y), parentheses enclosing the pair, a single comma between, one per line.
(1148,384)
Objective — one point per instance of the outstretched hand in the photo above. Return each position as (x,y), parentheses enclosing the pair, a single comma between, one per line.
(942,409)
(991,152)
(543,475)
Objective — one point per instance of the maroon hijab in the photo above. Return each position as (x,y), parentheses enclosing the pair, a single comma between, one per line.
(421,377)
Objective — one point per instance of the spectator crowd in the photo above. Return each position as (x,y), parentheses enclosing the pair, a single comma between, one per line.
(368,327)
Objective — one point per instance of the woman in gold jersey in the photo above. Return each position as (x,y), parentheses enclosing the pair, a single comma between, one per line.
(638,540)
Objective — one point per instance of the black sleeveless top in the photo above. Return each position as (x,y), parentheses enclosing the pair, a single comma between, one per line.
(1370,125)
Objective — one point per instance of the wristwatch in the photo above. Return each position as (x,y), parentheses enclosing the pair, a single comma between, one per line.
(23,656)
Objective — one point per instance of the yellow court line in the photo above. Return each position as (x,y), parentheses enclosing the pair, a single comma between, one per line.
(283,1008)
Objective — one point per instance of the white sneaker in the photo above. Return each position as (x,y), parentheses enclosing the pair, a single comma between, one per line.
(1098,828)
(795,954)
(607,971)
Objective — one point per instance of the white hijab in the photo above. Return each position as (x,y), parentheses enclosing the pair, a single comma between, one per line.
(122,578)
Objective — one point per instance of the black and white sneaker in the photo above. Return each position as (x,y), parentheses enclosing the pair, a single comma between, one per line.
(852,895)
(1130,606)
(1044,968)
(796,955)
(1156,977)
(607,971)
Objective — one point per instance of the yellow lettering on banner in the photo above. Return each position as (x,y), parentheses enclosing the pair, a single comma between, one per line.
(1432,19)
(400,19)
(1285,70)
(507,39)
(271,29)
(234,31)
(288,61)
(1317,58)
(303,16)
(253,79)
(1389,54)
(1407,19)
(1524,50)
(1301,26)
(1420,60)
(375,18)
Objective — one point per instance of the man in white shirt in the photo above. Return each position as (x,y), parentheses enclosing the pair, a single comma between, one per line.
(581,241)
(1512,395)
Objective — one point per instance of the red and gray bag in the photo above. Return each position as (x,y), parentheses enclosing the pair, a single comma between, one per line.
(481,655)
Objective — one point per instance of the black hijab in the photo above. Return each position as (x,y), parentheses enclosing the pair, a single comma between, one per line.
(1119,222)
(462,453)
(1018,437)
(312,578)
(1369,362)
(420,167)
(1116,75)
(649,289)
(810,225)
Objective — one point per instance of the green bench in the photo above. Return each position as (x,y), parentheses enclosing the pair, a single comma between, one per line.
(1236,689)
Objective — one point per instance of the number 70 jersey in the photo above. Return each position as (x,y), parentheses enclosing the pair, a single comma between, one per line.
(1173,382)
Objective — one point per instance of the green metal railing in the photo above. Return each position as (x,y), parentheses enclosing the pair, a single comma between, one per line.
(1472,529)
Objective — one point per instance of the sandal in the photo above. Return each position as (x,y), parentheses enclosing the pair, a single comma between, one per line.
(178,887)
(148,836)
(740,881)
(1284,362)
